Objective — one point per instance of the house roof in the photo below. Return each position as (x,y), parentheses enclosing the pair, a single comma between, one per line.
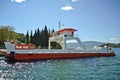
(67,29)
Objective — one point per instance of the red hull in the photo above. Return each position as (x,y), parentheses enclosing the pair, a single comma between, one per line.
(26,57)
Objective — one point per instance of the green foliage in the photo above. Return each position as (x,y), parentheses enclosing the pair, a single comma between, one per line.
(36,37)
(2,46)
(53,30)
(6,33)
(20,37)
(31,37)
(40,38)
(55,45)
(27,37)
(111,45)
(46,37)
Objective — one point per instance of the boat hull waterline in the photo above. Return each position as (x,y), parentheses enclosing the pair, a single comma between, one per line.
(44,56)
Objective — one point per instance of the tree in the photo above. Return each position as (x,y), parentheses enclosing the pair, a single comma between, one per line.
(46,37)
(31,38)
(20,37)
(6,33)
(53,30)
(111,45)
(27,37)
(49,33)
(38,39)
(42,38)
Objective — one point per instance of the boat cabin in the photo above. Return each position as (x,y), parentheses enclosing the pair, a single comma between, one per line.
(62,36)
(67,32)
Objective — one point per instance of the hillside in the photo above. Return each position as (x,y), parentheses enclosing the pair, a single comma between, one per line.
(111,45)
(87,44)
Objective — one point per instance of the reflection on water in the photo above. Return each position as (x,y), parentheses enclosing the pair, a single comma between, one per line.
(103,68)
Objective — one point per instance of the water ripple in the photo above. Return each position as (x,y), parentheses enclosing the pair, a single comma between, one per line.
(103,68)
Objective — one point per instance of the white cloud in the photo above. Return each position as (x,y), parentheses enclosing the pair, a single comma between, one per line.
(114,39)
(18,1)
(75,0)
(67,8)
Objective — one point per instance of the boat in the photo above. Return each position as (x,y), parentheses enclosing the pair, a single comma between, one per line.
(27,52)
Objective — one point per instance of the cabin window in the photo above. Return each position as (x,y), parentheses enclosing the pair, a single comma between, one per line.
(72,33)
(65,35)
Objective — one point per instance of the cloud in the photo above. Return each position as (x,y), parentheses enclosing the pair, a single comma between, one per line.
(67,8)
(18,1)
(114,39)
(75,1)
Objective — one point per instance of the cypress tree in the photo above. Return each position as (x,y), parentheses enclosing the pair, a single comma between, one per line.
(46,37)
(31,38)
(42,38)
(53,30)
(49,33)
(38,41)
(27,37)
(35,37)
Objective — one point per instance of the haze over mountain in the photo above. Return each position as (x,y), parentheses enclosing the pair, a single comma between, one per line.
(87,44)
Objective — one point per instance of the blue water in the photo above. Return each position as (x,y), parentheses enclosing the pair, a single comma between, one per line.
(98,68)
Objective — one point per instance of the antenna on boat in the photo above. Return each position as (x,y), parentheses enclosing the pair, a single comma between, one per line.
(59,25)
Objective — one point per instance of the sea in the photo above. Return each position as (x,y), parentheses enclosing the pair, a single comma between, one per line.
(97,68)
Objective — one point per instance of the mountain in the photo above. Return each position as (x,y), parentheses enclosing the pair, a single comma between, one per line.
(87,44)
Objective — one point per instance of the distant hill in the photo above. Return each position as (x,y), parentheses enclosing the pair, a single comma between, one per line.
(87,44)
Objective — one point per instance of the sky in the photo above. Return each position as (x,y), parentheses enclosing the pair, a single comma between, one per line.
(95,20)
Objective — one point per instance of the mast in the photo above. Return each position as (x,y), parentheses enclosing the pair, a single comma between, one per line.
(59,25)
